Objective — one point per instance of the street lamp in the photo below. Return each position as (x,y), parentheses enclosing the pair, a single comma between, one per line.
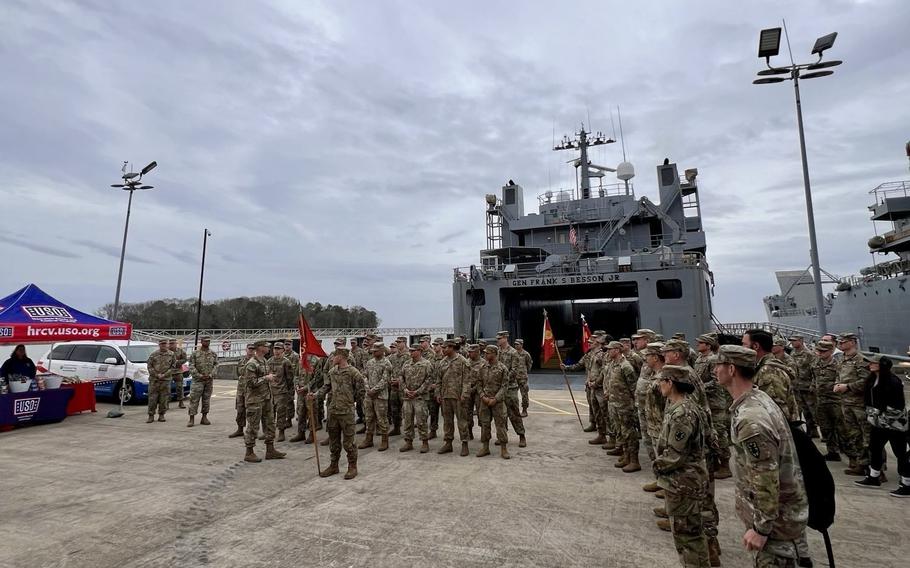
(205,238)
(768,47)
(131,182)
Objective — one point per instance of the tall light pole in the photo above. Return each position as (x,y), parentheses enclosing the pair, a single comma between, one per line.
(205,238)
(131,182)
(769,46)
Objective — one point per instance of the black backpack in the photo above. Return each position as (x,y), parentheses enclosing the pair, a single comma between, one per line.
(819,485)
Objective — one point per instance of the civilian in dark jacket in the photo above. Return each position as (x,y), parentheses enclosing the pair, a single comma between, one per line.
(18,364)
(885,392)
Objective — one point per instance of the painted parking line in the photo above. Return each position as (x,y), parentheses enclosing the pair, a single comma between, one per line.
(559,410)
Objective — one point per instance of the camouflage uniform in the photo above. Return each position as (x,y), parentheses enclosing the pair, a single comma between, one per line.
(177,375)
(719,401)
(302,379)
(397,360)
(283,370)
(642,386)
(524,367)
(471,394)
(160,366)
(292,382)
(346,387)
(591,362)
(432,405)
(202,368)
(493,381)
(240,396)
(619,379)
(654,408)
(258,401)
(636,360)
(770,495)
(828,411)
(415,376)
(377,374)
(853,372)
(510,358)
(773,378)
(682,474)
(454,374)
(803,360)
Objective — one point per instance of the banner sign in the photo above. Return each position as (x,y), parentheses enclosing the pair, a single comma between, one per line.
(41,406)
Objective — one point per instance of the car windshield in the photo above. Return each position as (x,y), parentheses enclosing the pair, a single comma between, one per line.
(139,353)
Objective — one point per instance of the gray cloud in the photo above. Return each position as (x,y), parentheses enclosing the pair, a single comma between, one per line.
(27,243)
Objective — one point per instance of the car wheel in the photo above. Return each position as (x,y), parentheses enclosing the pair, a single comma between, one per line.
(129,392)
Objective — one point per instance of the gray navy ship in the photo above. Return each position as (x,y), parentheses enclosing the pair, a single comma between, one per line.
(875,304)
(594,250)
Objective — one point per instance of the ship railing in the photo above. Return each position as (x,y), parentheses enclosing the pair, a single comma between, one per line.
(776,329)
(890,189)
(604,190)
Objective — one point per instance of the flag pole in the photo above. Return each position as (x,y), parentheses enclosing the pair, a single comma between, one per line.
(312,413)
(564,376)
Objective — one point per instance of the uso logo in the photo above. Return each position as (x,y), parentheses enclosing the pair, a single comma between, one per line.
(45,313)
(118,331)
(6,332)
(25,406)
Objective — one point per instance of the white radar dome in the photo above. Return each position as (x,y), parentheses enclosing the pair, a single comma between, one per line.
(625,171)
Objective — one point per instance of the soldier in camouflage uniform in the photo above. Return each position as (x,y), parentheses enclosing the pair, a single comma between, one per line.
(680,463)
(454,371)
(771,376)
(259,409)
(592,363)
(650,401)
(470,395)
(779,350)
(770,496)
(377,375)
(415,378)
(802,386)
(433,407)
(851,384)
(345,383)
(509,357)
(719,401)
(632,356)
(524,367)
(160,367)
(294,358)
(203,362)
(640,343)
(828,411)
(492,385)
(302,381)
(239,400)
(177,372)
(359,356)
(398,358)
(282,370)
(619,379)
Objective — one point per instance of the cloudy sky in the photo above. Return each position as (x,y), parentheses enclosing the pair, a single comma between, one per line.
(340,151)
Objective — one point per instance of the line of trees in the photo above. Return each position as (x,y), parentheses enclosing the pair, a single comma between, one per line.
(266,312)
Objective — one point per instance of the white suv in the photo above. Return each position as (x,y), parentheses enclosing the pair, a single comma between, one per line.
(102,362)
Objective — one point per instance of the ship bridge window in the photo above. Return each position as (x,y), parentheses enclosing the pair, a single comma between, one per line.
(669,289)
(509,196)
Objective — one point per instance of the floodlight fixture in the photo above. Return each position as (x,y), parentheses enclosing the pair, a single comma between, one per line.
(148,168)
(769,42)
(823,43)
(824,64)
(816,74)
(767,80)
(775,71)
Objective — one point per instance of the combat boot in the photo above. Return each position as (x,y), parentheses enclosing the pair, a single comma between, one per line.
(431,435)
(331,470)
(280,437)
(616,451)
(522,441)
(610,445)
(271,453)
(632,466)
(484,450)
(383,443)
(464,449)
(504,452)
(205,420)
(251,456)
(352,469)
(180,405)
(723,472)
(362,429)
(599,440)
(660,494)
(713,551)
(235,434)
(298,437)
(367,442)
(161,418)
(190,423)
(309,438)
(590,428)
(496,443)
(524,412)
(855,469)
(424,446)
(660,512)
(324,442)
(650,487)
(396,431)
(407,447)
(446,448)
(663,524)
(152,419)
(623,460)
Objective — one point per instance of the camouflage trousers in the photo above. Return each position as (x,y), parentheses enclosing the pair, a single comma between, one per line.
(433,413)
(240,405)
(856,433)
(830,418)
(414,413)
(719,401)
(159,394)
(486,415)
(340,428)
(280,405)
(710,517)
(259,413)
(178,386)
(599,407)
(290,402)
(453,410)
(776,554)
(588,392)
(376,415)
(200,388)
(514,412)
(395,406)
(686,524)
(807,402)
(524,390)
(641,408)
(303,414)
(624,422)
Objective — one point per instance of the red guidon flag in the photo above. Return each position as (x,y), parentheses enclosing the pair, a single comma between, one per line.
(585,334)
(548,345)
(309,345)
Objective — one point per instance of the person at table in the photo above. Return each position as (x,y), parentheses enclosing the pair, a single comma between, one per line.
(18,364)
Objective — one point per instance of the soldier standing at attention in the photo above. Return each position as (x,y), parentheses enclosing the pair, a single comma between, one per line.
(302,388)
(259,409)
(345,383)
(779,350)
(592,363)
(398,358)
(770,495)
(470,395)
(433,407)
(281,370)
(492,388)
(805,394)
(454,372)
(640,341)
(359,356)
(851,385)
(202,367)
(160,367)
(509,357)
(719,401)
(415,383)
(239,398)
(377,374)
(651,408)
(680,464)
(771,376)
(294,358)
(619,380)
(828,411)
(526,362)
(632,356)
(177,375)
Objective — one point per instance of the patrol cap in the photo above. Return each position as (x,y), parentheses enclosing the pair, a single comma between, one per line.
(625,339)
(172,340)
(847,337)
(205,338)
(614,345)
(519,342)
(415,347)
(645,332)
(707,338)
(600,333)
(677,374)
(289,342)
(339,341)
(473,347)
(378,346)
(438,341)
(676,345)
(402,339)
(780,342)
(343,351)
(824,345)
(502,334)
(481,343)
(658,337)
(261,343)
(251,346)
(679,335)
(424,338)
(450,343)
(736,355)
(162,341)
(278,345)
(795,338)
(653,348)
(491,349)
(372,336)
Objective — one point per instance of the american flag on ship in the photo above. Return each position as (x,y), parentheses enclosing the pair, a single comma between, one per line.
(573,236)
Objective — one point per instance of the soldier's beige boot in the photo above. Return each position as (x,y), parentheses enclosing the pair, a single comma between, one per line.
(660,512)
(723,472)
(151,419)
(352,469)
(280,437)
(659,494)
(616,451)
(623,460)
(205,420)
(504,452)
(522,441)
(446,448)
(271,453)
(298,437)
(161,418)
(650,487)
(331,470)
(236,433)
(464,449)
(599,440)
(663,524)
(484,450)
(632,464)
(610,445)
(251,456)
(181,405)
(496,443)
(309,438)
(383,443)
(190,423)
(324,442)
(713,551)
(367,441)
(855,468)
(407,447)
(424,446)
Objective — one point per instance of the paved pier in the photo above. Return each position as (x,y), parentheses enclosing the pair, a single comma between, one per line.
(98,492)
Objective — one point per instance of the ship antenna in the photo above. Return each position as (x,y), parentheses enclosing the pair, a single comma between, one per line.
(622,139)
